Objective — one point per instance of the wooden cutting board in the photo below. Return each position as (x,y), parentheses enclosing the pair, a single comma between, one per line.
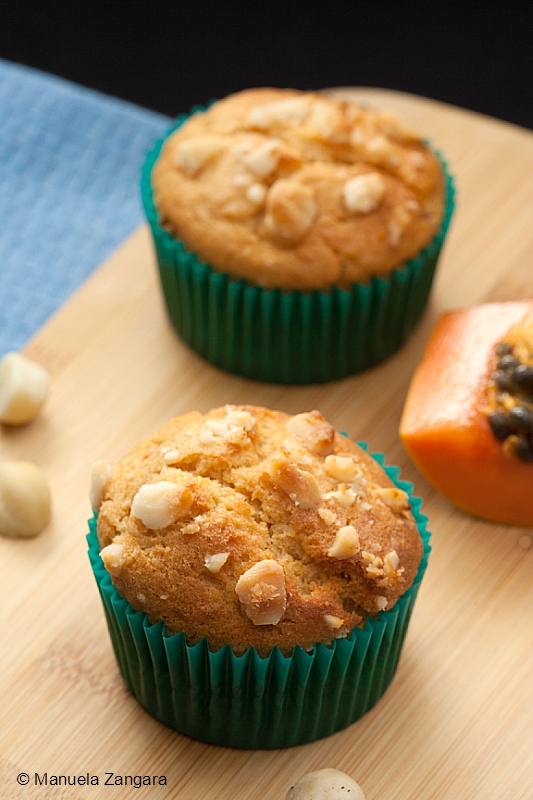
(457,721)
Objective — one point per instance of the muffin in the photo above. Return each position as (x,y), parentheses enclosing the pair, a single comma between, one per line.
(296,234)
(258,572)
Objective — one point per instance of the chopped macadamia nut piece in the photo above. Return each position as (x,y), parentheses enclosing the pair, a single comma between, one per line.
(191,528)
(256,193)
(170,456)
(243,179)
(314,431)
(290,210)
(233,428)
(417,159)
(394,498)
(328,516)
(113,558)
(395,233)
(379,144)
(25,504)
(391,561)
(263,159)
(403,214)
(193,154)
(374,568)
(381,603)
(342,468)
(344,496)
(325,784)
(346,543)
(261,590)
(391,569)
(215,562)
(292,110)
(363,193)
(238,208)
(101,471)
(379,147)
(412,206)
(301,486)
(160,504)
(296,451)
(23,389)
(325,121)
(332,621)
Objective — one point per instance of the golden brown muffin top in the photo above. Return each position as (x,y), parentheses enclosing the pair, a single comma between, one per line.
(256,528)
(298,190)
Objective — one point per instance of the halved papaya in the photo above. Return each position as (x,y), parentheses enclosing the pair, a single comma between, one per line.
(467,422)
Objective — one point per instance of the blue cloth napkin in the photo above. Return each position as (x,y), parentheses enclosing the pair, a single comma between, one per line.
(70,162)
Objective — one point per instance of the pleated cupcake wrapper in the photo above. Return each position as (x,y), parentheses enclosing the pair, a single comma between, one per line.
(248,701)
(290,337)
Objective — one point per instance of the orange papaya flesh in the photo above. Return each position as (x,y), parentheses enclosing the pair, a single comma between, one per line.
(445,426)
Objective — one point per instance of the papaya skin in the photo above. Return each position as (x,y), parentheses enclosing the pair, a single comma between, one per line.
(444,429)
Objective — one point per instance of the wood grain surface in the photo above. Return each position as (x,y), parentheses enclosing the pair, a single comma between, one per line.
(457,721)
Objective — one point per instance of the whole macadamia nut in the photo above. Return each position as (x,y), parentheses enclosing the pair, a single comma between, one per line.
(23,389)
(326,784)
(25,505)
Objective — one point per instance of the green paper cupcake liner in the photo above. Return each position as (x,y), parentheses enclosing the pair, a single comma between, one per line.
(248,701)
(289,337)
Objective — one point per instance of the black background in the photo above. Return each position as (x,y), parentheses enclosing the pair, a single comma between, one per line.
(168,56)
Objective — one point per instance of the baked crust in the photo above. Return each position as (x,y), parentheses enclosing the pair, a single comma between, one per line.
(335,540)
(298,190)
